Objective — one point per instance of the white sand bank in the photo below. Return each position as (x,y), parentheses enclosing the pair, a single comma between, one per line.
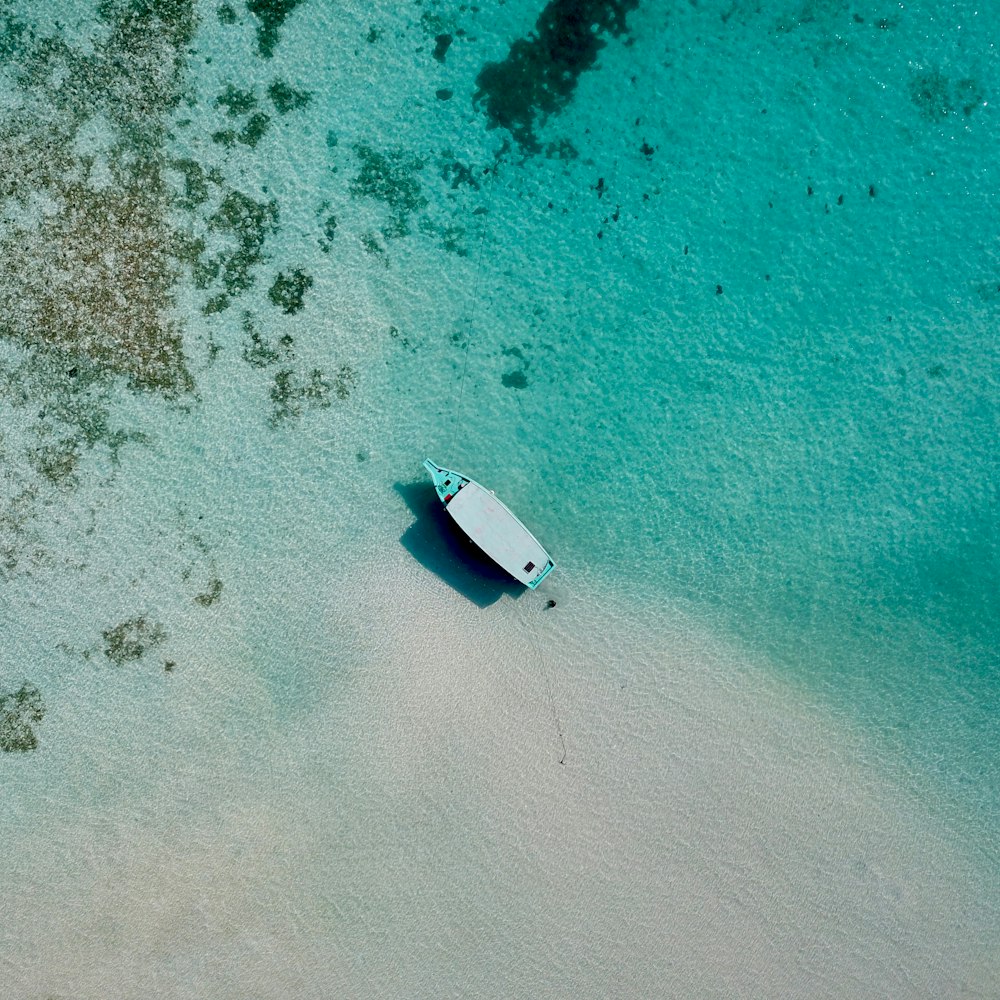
(406,829)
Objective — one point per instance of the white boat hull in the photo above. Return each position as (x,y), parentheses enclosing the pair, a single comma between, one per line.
(491,524)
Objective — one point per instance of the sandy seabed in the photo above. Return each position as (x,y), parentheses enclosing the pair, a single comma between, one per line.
(499,801)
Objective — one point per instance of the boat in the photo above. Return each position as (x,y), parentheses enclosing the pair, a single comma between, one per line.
(491,525)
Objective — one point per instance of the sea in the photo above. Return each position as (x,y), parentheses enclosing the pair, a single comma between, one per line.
(707,291)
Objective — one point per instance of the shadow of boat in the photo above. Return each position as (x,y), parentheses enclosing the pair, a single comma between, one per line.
(440,546)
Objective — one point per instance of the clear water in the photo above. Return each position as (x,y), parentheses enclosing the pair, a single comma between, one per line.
(717,321)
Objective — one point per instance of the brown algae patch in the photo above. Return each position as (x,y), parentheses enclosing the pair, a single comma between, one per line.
(129,640)
(286,98)
(391,178)
(270,16)
(288,290)
(16,512)
(94,279)
(67,406)
(212,595)
(20,712)
(86,268)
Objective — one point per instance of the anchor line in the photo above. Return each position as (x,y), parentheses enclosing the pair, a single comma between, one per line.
(555,714)
(471,310)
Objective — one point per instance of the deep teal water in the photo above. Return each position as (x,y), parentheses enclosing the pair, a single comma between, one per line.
(757,330)
(711,289)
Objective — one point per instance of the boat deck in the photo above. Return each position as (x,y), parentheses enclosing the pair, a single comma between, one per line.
(489,523)
(492,526)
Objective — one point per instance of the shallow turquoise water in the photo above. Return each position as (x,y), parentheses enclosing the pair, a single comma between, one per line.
(806,458)
(721,324)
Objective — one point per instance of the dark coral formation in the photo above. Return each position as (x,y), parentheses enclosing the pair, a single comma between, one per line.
(286,98)
(131,639)
(236,102)
(212,595)
(90,277)
(290,394)
(271,15)
(329,226)
(540,73)
(246,224)
(288,290)
(20,712)
(252,132)
(390,177)
(260,352)
(937,97)
(344,381)
(442,43)
(518,378)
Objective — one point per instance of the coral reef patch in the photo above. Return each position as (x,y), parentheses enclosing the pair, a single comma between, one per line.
(936,96)
(129,640)
(20,712)
(286,98)
(391,178)
(288,290)
(540,73)
(271,15)
(85,256)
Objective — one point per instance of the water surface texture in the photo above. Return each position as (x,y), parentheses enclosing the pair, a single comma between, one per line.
(708,292)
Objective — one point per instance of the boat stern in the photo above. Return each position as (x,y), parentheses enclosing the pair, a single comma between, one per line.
(535,581)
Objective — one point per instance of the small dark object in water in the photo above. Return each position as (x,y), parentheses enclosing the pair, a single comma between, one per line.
(718,289)
(871,191)
(441,45)
(550,603)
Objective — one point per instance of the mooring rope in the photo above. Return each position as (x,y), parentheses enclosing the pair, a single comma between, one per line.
(471,309)
(555,714)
